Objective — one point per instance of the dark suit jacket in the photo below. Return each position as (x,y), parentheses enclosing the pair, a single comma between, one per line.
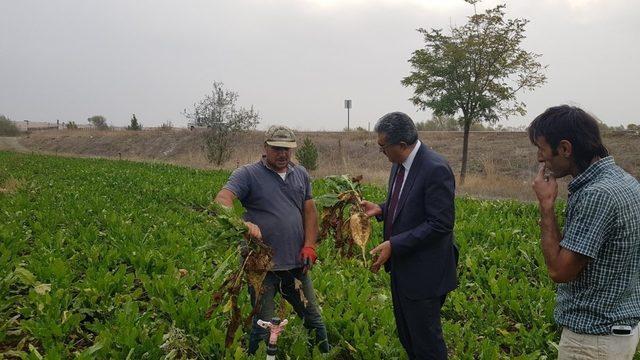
(423,254)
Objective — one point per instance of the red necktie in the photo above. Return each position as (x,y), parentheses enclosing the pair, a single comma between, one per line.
(393,203)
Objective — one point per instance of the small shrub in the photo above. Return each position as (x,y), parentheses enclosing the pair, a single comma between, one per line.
(218,113)
(307,155)
(99,121)
(135,125)
(7,127)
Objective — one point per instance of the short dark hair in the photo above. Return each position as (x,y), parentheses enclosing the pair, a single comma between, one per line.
(397,127)
(573,124)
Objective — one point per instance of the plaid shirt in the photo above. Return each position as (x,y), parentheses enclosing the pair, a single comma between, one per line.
(602,223)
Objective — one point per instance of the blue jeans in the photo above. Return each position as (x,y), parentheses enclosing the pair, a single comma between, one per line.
(283,282)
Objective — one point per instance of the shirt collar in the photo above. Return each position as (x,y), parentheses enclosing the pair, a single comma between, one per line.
(593,171)
(407,163)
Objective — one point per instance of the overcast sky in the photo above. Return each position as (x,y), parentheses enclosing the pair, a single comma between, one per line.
(295,61)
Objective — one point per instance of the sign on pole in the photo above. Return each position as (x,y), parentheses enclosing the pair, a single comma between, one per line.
(347,105)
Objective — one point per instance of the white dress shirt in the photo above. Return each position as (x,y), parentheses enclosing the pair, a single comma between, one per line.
(407,165)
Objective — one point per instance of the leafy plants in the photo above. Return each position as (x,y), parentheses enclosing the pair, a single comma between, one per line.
(99,261)
(342,216)
(256,263)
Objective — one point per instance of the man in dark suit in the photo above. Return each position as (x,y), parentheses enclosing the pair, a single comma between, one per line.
(418,248)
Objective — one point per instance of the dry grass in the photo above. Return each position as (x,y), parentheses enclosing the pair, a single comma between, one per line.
(11,186)
(501,165)
(492,184)
(502,187)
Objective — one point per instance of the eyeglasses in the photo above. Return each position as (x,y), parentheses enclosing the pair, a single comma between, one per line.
(382,148)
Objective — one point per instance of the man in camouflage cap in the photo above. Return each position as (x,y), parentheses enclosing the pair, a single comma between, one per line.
(280,136)
(280,210)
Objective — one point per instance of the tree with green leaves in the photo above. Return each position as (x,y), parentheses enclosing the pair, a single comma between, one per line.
(307,154)
(224,121)
(99,121)
(135,125)
(474,71)
(439,123)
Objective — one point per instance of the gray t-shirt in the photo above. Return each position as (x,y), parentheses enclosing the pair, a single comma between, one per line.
(276,206)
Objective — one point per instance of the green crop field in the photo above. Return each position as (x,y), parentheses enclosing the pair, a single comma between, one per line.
(90,252)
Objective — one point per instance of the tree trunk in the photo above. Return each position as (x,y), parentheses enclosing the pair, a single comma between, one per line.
(465,150)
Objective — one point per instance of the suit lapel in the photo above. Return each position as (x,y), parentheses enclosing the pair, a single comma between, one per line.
(408,184)
(392,176)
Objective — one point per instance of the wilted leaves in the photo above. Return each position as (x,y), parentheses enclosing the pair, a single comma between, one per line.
(360,230)
(342,215)
(256,263)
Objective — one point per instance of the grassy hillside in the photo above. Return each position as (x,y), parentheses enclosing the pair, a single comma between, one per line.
(501,165)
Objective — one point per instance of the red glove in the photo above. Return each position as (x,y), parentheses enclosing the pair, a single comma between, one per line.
(308,256)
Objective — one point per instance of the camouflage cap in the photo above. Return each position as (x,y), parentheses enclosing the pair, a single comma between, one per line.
(280,136)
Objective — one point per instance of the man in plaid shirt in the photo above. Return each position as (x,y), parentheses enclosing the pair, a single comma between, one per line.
(596,259)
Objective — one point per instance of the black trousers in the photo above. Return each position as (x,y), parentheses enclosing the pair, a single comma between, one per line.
(419,326)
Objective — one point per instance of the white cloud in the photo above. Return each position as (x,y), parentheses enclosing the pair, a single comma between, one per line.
(434,5)
(584,4)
